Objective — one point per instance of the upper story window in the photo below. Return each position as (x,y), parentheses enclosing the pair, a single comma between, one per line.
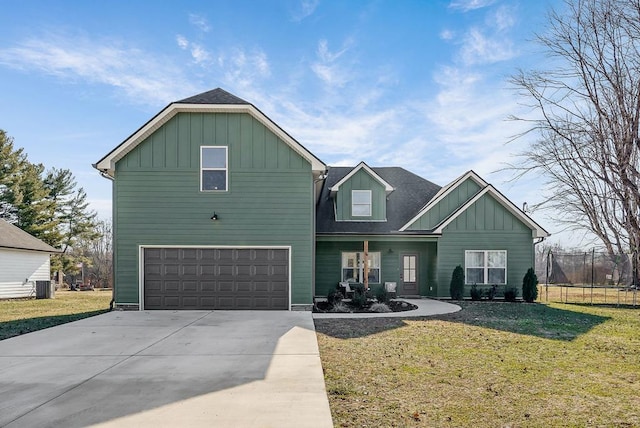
(361,203)
(213,168)
(485,267)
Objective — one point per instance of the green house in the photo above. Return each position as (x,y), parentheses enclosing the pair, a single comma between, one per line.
(217,207)
(415,233)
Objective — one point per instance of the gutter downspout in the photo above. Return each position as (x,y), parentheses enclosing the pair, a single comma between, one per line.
(316,200)
(112,303)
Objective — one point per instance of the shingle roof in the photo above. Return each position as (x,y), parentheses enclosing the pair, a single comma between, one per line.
(214,96)
(410,195)
(13,237)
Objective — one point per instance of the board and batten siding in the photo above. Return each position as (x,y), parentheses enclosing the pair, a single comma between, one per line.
(485,225)
(19,271)
(329,263)
(361,180)
(444,208)
(157,197)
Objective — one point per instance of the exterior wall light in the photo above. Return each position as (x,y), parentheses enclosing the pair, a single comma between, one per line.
(214,217)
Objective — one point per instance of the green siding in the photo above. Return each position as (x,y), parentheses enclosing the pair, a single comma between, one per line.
(485,225)
(157,198)
(329,263)
(443,209)
(361,180)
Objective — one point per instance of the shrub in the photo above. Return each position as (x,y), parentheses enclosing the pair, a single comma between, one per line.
(334,296)
(456,289)
(510,294)
(381,295)
(491,292)
(340,307)
(530,286)
(380,308)
(359,299)
(476,293)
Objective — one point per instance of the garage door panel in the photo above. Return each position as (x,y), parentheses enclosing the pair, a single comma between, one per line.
(261,286)
(170,254)
(208,286)
(218,278)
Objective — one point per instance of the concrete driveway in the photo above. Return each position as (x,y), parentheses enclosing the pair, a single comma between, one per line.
(166,369)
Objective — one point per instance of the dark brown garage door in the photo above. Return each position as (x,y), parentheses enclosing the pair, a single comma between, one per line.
(215,278)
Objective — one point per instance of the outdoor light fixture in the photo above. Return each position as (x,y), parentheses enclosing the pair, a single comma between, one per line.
(214,217)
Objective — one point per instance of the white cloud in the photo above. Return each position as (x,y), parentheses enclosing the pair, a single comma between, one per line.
(503,19)
(199,54)
(241,69)
(199,22)
(306,8)
(467,5)
(182,41)
(142,77)
(447,35)
(328,68)
(478,48)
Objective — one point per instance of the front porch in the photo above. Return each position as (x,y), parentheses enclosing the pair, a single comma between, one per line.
(409,262)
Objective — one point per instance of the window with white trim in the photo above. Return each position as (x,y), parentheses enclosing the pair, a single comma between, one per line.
(361,203)
(213,168)
(353,267)
(485,266)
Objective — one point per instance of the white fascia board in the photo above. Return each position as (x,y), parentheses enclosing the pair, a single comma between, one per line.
(537,230)
(442,193)
(388,188)
(107,163)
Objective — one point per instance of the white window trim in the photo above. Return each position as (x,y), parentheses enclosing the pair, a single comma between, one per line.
(369,204)
(360,266)
(486,266)
(225,169)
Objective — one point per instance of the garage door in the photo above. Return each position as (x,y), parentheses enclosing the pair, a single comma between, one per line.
(216,278)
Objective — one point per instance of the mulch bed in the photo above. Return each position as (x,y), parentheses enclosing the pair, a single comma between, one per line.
(394,305)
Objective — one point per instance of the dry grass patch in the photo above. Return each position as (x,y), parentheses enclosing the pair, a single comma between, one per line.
(489,365)
(22,316)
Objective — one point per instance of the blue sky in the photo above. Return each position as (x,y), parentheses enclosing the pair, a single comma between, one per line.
(417,84)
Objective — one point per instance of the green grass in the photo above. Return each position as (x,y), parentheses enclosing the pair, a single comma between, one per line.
(489,365)
(22,316)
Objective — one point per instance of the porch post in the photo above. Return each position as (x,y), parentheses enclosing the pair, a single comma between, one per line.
(366,265)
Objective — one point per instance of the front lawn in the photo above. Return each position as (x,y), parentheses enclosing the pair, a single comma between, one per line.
(489,365)
(26,315)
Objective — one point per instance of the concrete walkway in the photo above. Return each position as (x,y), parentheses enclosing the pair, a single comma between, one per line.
(167,369)
(426,307)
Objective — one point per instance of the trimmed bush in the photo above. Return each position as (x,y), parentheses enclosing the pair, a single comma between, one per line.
(491,292)
(359,299)
(510,294)
(530,286)
(456,288)
(381,295)
(476,293)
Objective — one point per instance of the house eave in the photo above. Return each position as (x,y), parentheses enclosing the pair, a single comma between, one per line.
(386,237)
(106,165)
(388,188)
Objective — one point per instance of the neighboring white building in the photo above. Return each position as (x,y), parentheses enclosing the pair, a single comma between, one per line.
(24,260)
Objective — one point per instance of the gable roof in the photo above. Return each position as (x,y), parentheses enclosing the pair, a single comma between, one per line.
(387,187)
(444,191)
(486,188)
(537,230)
(411,193)
(15,238)
(214,101)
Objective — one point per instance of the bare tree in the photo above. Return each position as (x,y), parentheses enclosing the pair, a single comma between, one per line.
(97,253)
(586,128)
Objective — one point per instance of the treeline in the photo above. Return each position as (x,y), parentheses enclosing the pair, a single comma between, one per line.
(49,204)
